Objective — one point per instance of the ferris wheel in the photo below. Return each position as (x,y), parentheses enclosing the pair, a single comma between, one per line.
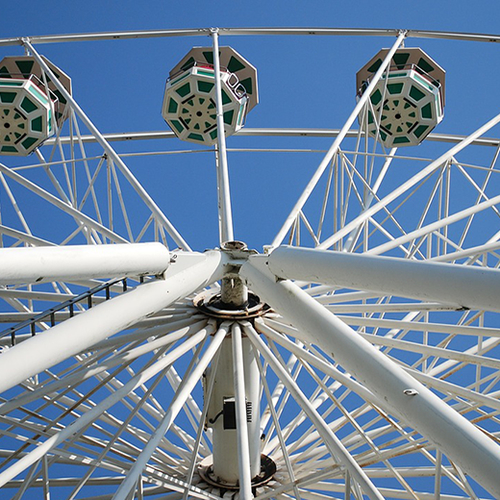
(356,355)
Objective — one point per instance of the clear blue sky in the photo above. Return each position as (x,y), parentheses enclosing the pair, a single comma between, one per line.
(61,16)
(304,82)
(120,86)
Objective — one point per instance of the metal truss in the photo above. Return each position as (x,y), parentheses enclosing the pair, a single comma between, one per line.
(360,354)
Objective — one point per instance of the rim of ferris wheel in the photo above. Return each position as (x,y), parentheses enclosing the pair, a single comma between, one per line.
(31,106)
(189,104)
(318,438)
(408,101)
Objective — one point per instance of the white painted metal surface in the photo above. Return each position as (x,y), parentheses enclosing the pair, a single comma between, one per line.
(397,391)
(223,191)
(83,331)
(471,287)
(81,262)
(226,441)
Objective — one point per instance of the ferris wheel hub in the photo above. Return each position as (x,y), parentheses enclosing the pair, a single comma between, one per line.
(267,470)
(234,301)
(212,305)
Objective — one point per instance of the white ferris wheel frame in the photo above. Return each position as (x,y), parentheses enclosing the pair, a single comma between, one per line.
(379,379)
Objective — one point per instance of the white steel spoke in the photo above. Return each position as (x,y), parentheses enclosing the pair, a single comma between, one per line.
(110,151)
(91,190)
(46,166)
(422,326)
(241,416)
(223,192)
(330,439)
(122,202)
(15,205)
(435,226)
(336,144)
(427,281)
(196,447)
(188,384)
(375,375)
(193,412)
(91,180)
(325,367)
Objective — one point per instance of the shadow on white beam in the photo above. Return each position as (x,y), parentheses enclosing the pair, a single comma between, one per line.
(468,287)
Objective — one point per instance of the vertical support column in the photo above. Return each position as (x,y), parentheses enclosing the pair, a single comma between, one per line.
(222,414)
(234,292)
(223,192)
(242,411)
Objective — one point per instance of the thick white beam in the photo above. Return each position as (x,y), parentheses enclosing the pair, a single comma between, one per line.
(472,287)
(81,332)
(81,262)
(398,392)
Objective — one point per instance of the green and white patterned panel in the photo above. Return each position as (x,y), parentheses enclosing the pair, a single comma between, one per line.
(25,67)
(26,117)
(230,61)
(189,104)
(405,107)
